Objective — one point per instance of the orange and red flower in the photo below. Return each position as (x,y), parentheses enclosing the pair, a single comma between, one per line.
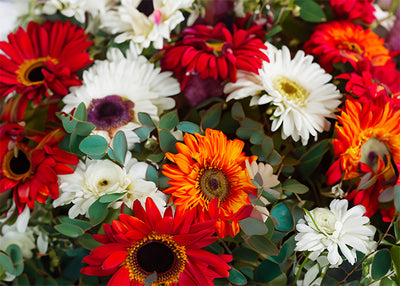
(207,167)
(342,41)
(31,173)
(135,247)
(367,146)
(214,52)
(354,9)
(43,60)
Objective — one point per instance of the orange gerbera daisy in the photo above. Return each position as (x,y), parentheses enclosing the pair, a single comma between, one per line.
(366,134)
(342,41)
(209,167)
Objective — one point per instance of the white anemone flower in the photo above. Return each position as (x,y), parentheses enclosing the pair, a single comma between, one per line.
(115,90)
(96,178)
(144,28)
(337,230)
(297,88)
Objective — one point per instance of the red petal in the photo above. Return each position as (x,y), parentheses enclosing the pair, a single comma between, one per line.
(114,260)
(120,278)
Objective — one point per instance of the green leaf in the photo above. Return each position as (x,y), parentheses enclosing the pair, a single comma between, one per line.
(145,119)
(252,226)
(283,216)
(395,253)
(6,262)
(244,254)
(97,212)
(152,175)
(274,158)
(310,160)
(120,146)
(68,121)
(257,137)
(237,111)
(267,145)
(80,223)
(80,112)
(189,127)
(285,252)
(15,254)
(87,241)
(380,264)
(310,11)
(169,120)
(84,128)
(263,245)
(294,186)
(94,145)
(167,141)
(69,230)
(143,132)
(74,142)
(236,277)
(21,280)
(110,198)
(212,116)
(267,271)
(397,197)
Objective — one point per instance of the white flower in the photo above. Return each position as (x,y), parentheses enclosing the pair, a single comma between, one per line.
(96,178)
(131,24)
(335,229)
(8,19)
(297,88)
(114,91)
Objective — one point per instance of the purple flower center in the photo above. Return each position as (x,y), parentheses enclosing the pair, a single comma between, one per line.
(110,112)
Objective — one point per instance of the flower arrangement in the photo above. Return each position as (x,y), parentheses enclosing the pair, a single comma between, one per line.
(200,142)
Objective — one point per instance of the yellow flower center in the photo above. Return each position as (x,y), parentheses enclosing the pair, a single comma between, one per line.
(351,50)
(156,253)
(16,165)
(215,45)
(290,89)
(213,183)
(30,72)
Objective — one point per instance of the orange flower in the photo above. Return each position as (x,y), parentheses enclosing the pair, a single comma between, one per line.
(342,41)
(366,133)
(209,167)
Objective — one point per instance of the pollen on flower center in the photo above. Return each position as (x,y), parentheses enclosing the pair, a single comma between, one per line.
(290,89)
(213,183)
(353,47)
(16,167)
(215,45)
(110,112)
(156,253)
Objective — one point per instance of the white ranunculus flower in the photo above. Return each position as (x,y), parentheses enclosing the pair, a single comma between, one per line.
(337,230)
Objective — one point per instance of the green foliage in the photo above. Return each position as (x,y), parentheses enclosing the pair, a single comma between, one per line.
(310,11)
(380,264)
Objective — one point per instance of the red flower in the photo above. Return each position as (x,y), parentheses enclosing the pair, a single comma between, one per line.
(43,60)
(170,245)
(214,52)
(369,82)
(354,9)
(342,41)
(31,173)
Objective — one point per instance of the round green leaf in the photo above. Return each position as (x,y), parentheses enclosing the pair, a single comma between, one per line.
(263,245)
(109,198)
(236,277)
(16,256)
(120,146)
(381,264)
(169,120)
(267,271)
(283,216)
(294,186)
(97,212)
(145,119)
(167,141)
(245,254)
(68,121)
(93,145)
(152,175)
(84,128)
(212,116)
(311,11)
(189,127)
(80,112)
(252,226)
(69,230)
(237,111)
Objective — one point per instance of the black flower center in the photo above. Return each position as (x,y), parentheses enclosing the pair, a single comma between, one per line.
(36,74)
(20,165)
(110,112)
(213,183)
(146,7)
(155,256)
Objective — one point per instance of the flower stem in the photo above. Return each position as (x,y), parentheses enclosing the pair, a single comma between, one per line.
(301,268)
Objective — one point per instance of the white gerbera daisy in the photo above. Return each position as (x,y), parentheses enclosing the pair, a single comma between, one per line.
(144,22)
(96,178)
(334,229)
(298,89)
(115,91)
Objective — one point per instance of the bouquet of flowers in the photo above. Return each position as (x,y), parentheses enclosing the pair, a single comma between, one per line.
(200,142)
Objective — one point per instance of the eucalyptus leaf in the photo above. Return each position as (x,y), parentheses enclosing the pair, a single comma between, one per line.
(236,277)
(69,230)
(381,264)
(169,120)
(310,11)
(189,127)
(145,119)
(252,226)
(167,141)
(94,145)
(80,112)
(263,245)
(267,271)
(237,111)
(15,254)
(212,116)
(120,146)
(294,186)
(152,175)
(283,216)
(110,198)
(84,128)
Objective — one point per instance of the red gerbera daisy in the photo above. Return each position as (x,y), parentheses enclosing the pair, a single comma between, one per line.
(354,9)
(369,82)
(170,245)
(43,60)
(342,41)
(31,173)
(214,52)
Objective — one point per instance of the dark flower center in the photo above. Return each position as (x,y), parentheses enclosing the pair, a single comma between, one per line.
(36,74)
(146,7)
(213,183)
(16,167)
(155,256)
(110,112)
